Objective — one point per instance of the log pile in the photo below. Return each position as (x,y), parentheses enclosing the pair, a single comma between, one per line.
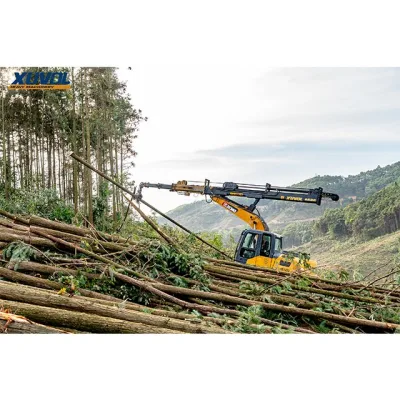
(60,278)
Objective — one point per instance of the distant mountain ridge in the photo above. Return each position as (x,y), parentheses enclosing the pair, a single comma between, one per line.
(201,216)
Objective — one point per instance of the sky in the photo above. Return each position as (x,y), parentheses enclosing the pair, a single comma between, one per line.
(260,125)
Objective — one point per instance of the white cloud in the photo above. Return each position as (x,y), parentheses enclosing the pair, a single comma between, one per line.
(196,111)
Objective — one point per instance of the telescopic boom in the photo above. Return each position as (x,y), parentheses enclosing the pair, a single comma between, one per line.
(249,191)
(248,213)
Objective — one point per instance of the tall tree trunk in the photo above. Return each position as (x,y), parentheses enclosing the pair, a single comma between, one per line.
(42,145)
(48,162)
(112,175)
(64,173)
(20,161)
(74,149)
(117,173)
(84,172)
(60,179)
(88,172)
(54,160)
(5,158)
(12,162)
(121,169)
(37,144)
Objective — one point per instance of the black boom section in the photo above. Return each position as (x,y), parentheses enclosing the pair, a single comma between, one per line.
(270,192)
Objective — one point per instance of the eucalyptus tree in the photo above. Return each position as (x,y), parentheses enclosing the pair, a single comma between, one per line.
(95,119)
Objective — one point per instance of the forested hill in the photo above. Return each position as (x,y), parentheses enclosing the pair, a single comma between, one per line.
(360,185)
(363,236)
(377,215)
(201,216)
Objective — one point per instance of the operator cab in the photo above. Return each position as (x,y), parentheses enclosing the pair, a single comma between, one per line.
(254,243)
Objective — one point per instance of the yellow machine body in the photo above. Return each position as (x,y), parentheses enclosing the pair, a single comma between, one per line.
(275,263)
(264,250)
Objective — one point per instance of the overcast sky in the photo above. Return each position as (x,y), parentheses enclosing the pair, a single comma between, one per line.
(258,125)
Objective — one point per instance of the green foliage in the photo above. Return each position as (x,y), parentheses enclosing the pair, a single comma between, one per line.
(277,289)
(249,321)
(297,233)
(251,288)
(323,307)
(283,318)
(197,314)
(45,203)
(279,330)
(374,216)
(16,252)
(386,314)
(214,238)
(303,283)
(165,259)
(322,328)
(360,185)
(221,241)
(332,223)
(105,284)
(101,208)
(344,275)
(73,283)
(286,285)
(179,281)
(303,258)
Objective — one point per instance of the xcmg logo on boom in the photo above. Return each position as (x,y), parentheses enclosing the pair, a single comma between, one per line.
(40,81)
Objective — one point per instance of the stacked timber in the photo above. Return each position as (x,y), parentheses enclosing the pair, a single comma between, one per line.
(61,278)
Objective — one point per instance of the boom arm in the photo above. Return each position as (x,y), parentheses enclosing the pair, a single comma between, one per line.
(219,194)
(243,212)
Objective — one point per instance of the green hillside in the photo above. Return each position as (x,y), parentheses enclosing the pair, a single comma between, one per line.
(374,216)
(376,257)
(360,185)
(371,217)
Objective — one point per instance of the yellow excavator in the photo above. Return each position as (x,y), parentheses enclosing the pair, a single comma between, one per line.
(257,246)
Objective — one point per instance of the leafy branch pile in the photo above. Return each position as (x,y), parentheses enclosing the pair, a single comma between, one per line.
(59,277)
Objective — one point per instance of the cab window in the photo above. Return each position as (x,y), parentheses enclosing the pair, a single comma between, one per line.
(266,246)
(250,241)
(249,246)
(278,245)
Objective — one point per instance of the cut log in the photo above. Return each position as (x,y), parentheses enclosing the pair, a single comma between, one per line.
(8,235)
(45,269)
(103,298)
(79,320)
(29,295)
(46,284)
(260,279)
(297,299)
(10,323)
(62,227)
(89,253)
(279,308)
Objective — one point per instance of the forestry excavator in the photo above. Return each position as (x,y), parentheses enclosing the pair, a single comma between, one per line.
(257,246)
